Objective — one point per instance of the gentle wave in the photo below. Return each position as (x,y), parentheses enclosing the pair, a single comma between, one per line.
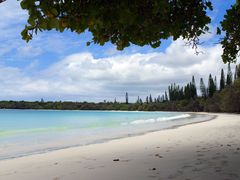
(146,121)
(33,130)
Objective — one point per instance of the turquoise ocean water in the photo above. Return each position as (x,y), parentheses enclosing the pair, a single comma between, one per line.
(24,132)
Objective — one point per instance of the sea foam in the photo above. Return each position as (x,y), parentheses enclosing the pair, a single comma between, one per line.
(160,119)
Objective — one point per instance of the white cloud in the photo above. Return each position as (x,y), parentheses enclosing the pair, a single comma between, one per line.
(13,20)
(111,51)
(29,51)
(82,77)
(11,13)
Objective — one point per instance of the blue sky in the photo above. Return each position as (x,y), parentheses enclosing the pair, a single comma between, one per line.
(59,66)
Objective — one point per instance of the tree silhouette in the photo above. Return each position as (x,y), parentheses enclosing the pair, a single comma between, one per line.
(229,76)
(222,80)
(211,86)
(150,99)
(126,98)
(203,89)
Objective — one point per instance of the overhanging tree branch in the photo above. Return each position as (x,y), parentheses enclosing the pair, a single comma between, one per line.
(139,22)
(122,23)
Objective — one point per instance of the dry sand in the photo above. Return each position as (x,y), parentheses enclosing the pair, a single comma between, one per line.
(206,151)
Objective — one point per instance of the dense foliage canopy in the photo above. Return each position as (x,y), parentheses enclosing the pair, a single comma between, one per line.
(231,40)
(123,22)
(140,22)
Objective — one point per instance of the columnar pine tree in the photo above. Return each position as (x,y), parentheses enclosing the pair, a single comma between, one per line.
(163,98)
(235,74)
(170,91)
(126,96)
(147,99)
(187,93)
(193,88)
(159,99)
(155,100)
(238,71)
(215,83)
(150,99)
(138,100)
(203,89)
(229,76)
(211,86)
(222,80)
(166,96)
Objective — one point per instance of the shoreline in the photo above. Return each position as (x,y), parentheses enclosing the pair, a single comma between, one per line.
(106,140)
(207,150)
(198,112)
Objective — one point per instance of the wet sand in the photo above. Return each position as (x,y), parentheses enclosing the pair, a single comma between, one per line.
(204,151)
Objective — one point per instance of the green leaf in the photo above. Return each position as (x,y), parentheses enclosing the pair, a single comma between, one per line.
(31,21)
(24,33)
(218,31)
(54,23)
(43,24)
(24,4)
(54,12)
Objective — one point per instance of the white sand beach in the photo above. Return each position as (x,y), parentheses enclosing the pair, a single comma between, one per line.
(204,151)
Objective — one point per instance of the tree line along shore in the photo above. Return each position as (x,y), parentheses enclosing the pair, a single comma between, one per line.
(212,97)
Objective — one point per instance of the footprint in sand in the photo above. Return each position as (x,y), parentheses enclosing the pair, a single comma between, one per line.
(152,169)
(157,155)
